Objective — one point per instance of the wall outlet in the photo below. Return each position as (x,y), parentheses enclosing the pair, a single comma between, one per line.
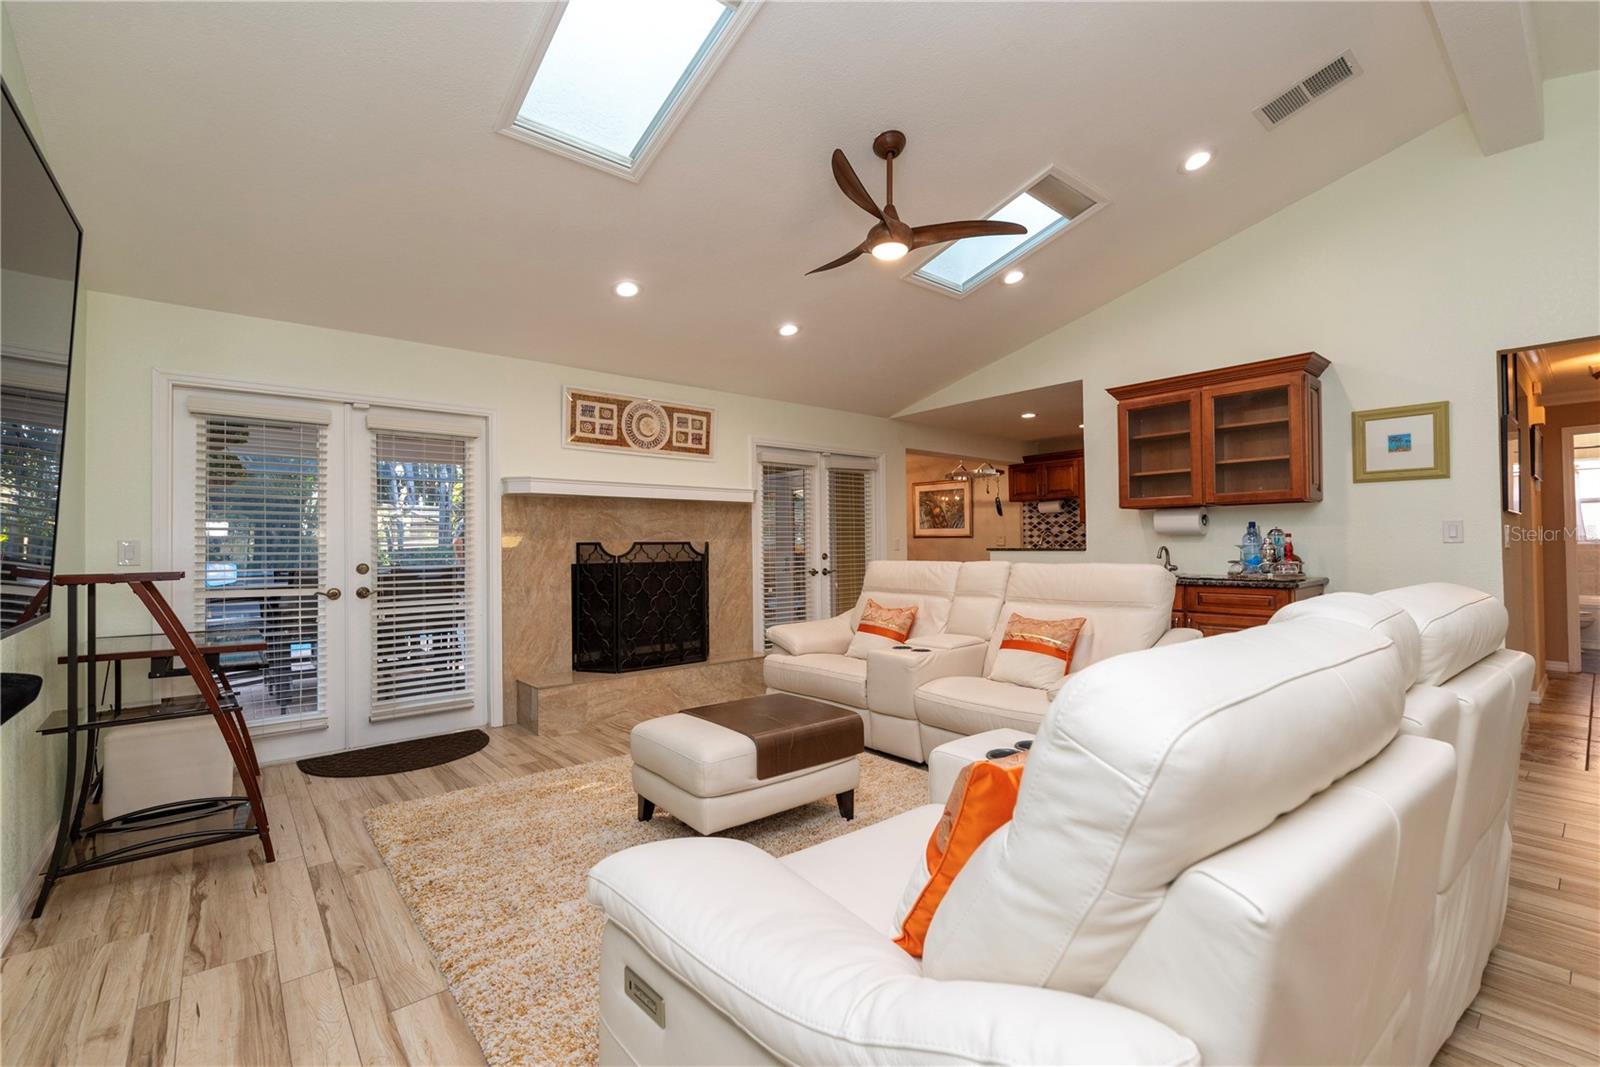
(127,553)
(1454,532)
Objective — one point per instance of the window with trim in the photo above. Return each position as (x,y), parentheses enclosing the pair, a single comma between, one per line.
(1586,480)
(613,76)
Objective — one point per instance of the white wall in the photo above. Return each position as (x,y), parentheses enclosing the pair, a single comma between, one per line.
(1408,274)
(131,339)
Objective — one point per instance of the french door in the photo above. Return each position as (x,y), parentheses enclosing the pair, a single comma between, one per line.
(818,517)
(349,538)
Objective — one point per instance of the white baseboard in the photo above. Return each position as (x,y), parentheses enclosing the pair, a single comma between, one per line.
(1537,696)
(19,904)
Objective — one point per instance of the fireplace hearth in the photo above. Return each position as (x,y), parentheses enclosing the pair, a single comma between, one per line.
(647,607)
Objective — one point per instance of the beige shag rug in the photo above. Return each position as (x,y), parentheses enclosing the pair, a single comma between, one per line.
(494,877)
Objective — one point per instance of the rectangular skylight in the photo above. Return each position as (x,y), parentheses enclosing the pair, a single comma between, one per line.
(1045,208)
(613,73)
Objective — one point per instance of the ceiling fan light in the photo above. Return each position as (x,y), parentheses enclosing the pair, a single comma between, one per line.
(889,251)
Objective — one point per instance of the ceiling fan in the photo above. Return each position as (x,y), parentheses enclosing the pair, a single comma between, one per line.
(890,239)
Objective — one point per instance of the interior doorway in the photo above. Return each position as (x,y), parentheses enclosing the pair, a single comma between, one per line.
(1549,490)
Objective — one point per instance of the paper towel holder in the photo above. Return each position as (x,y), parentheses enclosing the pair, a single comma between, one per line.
(1182,522)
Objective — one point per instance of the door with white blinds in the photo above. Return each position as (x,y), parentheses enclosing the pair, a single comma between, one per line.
(417,641)
(818,531)
(349,541)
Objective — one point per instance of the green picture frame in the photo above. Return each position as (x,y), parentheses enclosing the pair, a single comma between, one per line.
(1400,444)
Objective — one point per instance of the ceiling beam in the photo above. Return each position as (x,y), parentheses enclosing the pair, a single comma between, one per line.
(1495,59)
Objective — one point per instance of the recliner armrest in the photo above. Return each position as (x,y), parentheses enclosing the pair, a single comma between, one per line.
(814,983)
(895,675)
(814,635)
(1177,636)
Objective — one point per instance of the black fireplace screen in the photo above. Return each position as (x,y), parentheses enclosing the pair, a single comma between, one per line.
(645,608)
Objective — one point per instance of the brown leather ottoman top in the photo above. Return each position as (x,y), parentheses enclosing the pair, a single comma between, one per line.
(791,732)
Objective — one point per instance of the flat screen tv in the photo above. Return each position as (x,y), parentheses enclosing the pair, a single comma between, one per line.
(40,247)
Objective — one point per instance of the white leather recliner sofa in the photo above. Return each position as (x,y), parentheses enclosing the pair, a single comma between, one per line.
(913,701)
(1256,848)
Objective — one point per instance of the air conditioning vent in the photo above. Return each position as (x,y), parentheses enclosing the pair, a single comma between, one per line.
(1308,89)
(1286,105)
(1328,77)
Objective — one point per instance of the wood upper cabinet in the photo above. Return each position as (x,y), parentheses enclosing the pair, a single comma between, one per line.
(1054,476)
(1249,434)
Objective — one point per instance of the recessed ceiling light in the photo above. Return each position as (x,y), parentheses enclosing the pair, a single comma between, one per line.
(1196,161)
(1013,277)
(1030,414)
(626,288)
(788,329)
(1080,425)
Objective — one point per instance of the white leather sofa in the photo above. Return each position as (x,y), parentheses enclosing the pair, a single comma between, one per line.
(1284,845)
(913,701)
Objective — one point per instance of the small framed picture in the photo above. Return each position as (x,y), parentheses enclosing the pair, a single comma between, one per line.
(1536,451)
(942,509)
(1401,444)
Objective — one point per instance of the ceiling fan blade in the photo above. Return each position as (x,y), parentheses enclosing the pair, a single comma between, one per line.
(845,175)
(842,260)
(923,236)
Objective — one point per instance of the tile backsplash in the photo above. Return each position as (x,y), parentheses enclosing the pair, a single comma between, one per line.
(1061,529)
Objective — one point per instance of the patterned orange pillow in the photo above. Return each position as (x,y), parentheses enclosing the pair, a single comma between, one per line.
(1036,652)
(881,627)
(980,802)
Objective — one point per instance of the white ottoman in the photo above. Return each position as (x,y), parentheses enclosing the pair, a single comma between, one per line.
(946,761)
(705,774)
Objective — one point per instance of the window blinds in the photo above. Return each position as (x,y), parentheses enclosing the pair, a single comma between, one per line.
(785,491)
(424,631)
(260,529)
(849,533)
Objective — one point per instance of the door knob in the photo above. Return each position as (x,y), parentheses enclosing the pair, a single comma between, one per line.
(812,571)
(826,571)
(331,594)
(362,568)
(363,592)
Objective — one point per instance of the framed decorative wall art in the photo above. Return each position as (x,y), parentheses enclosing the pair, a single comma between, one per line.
(1536,451)
(615,422)
(1401,443)
(943,509)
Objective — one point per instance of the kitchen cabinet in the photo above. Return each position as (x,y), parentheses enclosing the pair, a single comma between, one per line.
(1051,476)
(1216,605)
(1247,434)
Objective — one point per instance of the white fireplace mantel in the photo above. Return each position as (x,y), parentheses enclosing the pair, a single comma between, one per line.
(637,490)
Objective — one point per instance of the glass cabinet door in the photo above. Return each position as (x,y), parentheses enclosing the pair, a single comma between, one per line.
(1160,441)
(1253,438)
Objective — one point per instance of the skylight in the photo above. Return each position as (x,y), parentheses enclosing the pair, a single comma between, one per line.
(1046,208)
(614,75)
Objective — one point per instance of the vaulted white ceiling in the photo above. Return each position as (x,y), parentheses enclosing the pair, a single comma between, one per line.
(337,164)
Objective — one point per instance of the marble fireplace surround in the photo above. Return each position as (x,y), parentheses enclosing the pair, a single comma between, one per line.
(539,536)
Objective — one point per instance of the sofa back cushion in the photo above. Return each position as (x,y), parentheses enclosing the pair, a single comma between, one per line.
(1128,606)
(1146,764)
(1459,626)
(980,590)
(897,583)
(1369,612)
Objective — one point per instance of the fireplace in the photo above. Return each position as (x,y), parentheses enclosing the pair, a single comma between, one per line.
(647,607)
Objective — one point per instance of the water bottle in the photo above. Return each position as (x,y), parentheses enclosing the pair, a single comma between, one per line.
(1250,548)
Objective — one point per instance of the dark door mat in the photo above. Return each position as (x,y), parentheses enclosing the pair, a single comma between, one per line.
(400,756)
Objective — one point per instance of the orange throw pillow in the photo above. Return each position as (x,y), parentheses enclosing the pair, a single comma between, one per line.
(1036,652)
(881,627)
(981,801)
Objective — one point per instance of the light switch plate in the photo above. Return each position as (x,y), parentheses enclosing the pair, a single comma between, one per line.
(127,553)
(1454,531)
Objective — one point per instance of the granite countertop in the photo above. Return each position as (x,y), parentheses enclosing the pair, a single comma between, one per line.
(1241,582)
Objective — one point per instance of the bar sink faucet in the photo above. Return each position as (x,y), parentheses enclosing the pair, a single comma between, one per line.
(1165,558)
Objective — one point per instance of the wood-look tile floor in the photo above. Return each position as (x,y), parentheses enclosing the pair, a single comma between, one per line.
(215,957)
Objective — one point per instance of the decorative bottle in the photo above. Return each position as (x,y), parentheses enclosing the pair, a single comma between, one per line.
(1250,547)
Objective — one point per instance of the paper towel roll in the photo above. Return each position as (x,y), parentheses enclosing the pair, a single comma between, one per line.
(1051,507)
(1181,521)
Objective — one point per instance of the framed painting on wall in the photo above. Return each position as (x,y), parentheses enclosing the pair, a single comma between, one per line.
(1401,444)
(942,509)
(1536,451)
(1512,407)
